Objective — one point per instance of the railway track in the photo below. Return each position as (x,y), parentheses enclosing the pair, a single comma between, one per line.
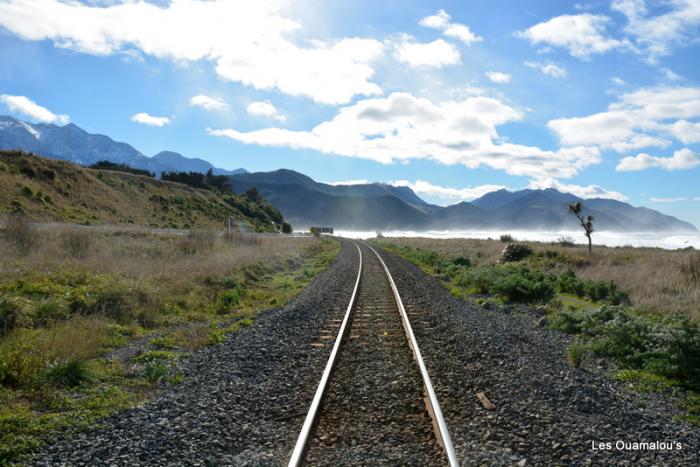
(375,403)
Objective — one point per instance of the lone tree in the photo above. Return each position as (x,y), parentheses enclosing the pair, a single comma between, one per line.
(586,222)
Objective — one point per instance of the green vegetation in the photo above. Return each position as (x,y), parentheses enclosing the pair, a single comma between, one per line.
(207,181)
(652,352)
(59,191)
(107,165)
(64,310)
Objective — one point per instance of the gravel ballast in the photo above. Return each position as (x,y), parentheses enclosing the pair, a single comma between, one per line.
(547,413)
(241,403)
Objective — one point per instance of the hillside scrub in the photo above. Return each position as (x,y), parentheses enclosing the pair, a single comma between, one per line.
(656,281)
(51,190)
(62,310)
(657,350)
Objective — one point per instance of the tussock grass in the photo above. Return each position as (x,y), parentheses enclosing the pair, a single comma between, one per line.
(79,293)
(657,281)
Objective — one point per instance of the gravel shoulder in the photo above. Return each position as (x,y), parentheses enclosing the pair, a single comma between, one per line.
(547,413)
(241,402)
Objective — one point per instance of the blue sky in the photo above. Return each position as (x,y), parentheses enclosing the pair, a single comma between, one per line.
(452,98)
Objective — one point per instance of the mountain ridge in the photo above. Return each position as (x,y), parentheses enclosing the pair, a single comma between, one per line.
(305,202)
(73,144)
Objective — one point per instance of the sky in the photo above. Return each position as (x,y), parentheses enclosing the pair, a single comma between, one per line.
(451,98)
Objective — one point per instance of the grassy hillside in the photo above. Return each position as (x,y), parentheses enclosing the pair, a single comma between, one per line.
(49,190)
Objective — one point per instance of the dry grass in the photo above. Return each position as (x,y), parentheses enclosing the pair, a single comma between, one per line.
(658,281)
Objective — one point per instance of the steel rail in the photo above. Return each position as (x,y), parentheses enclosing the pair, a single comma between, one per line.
(435,410)
(300,446)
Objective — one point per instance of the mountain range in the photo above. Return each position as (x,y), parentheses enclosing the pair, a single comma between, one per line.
(305,202)
(374,206)
(73,144)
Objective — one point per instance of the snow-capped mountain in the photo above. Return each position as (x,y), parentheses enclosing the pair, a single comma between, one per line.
(72,143)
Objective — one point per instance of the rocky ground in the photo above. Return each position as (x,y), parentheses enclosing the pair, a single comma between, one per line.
(547,413)
(242,402)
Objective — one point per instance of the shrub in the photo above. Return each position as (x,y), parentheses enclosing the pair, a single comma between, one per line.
(72,372)
(577,353)
(526,286)
(515,252)
(462,261)
(506,238)
(77,243)
(286,228)
(566,242)
(230,298)
(21,232)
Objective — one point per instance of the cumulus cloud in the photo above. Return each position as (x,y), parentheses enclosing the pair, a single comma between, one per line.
(403,127)
(668,200)
(208,103)
(447,193)
(658,35)
(585,192)
(617,80)
(436,54)
(441,21)
(681,159)
(548,69)
(581,35)
(247,42)
(498,77)
(646,117)
(150,120)
(31,109)
(361,181)
(264,109)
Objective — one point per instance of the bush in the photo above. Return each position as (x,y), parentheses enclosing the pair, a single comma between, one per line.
(21,232)
(595,291)
(72,372)
(462,261)
(286,228)
(506,238)
(566,242)
(667,347)
(515,252)
(514,283)
(577,353)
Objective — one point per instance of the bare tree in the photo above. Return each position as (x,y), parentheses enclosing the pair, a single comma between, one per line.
(586,222)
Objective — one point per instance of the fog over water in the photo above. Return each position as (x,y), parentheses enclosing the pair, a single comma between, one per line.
(669,241)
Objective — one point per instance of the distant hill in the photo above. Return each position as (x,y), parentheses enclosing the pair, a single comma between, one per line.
(51,190)
(73,144)
(379,206)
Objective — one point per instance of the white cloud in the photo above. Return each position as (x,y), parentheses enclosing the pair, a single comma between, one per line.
(670,75)
(644,118)
(585,192)
(31,109)
(582,35)
(436,54)
(658,35)
(697,198)
(617,80)
(403,127)
(447,193)
(681,159)
(548,69)
(150,120)
(208,103)
(441,20)
(361,181)
(498,77)
(668,200)
(264,109)
(248,42)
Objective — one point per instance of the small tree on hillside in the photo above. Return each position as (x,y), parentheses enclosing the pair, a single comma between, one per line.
(586,222)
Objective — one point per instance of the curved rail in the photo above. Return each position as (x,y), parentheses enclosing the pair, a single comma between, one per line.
(435,410)
(300,446)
